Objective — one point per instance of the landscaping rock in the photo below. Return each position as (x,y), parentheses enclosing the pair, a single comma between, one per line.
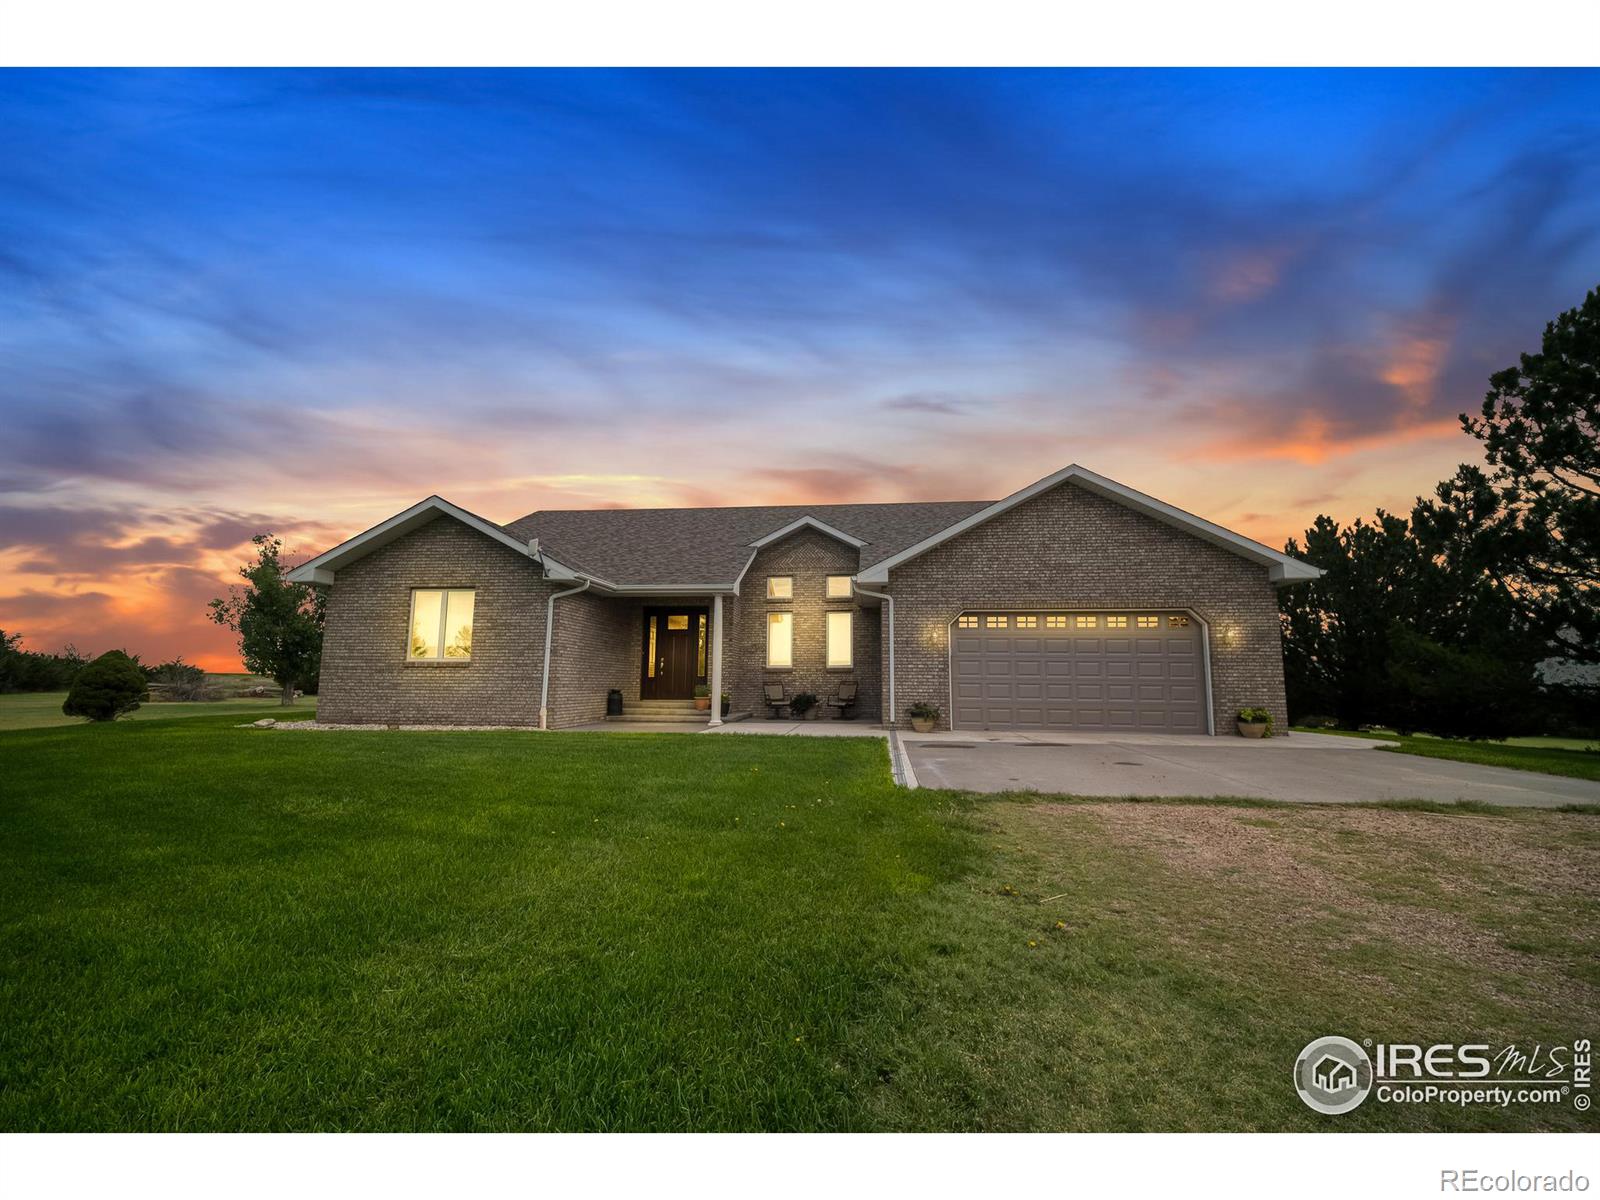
(265,723)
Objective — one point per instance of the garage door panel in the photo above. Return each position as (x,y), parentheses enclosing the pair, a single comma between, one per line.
(1077,675)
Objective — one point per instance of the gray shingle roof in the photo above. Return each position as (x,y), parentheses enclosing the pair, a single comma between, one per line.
(712,545)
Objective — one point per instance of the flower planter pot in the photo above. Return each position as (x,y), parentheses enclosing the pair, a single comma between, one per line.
(727,707)
(1253,729)
(922,724)
(703,703)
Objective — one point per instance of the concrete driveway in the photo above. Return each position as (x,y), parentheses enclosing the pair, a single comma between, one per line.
(1301,767)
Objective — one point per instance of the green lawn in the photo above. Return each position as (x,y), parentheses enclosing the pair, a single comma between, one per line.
(42,710)
(209,927)
(1549,756)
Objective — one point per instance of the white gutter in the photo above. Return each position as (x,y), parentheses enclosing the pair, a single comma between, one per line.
(549,626)
(889,601)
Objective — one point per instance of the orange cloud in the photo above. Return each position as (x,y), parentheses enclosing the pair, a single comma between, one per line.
(1412,368)
(1312,438)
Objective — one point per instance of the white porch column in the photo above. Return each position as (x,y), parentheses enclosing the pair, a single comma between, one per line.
(716,660)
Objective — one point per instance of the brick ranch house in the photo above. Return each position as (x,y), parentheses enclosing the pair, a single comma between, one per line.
(1075,603)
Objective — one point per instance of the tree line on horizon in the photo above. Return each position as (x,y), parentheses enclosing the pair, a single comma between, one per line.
(1478,613)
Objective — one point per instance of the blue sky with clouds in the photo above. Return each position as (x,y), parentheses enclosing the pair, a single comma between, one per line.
(304,299)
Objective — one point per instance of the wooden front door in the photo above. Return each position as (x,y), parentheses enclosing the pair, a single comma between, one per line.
(674,653)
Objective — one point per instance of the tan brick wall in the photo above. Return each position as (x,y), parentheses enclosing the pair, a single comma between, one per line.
(365,674)
(1071,549)
(595,648)
(810,557)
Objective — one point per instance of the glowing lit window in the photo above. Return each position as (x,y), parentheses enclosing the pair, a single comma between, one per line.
(840,627)
(838,587)
(1027,622)
(700,657)
(650,657)
(995,622)
(677,621)
(1084,622)
(967,622)
(1178,622)
(1149,622)
(780,639)
(1055,622)
(1116,622)
(780,587)
(441,624)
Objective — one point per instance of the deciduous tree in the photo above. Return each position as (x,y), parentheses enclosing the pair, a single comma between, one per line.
(279,623)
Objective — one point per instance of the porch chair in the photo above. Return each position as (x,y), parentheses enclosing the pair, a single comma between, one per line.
(845,700)
(775,698)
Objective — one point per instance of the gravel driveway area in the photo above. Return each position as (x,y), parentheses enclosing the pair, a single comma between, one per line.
(1301,767)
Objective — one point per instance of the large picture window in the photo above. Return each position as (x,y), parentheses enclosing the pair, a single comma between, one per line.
(441,625)
(840,627)
(780,639)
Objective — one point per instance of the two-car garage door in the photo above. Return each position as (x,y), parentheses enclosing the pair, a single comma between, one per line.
(1136,672)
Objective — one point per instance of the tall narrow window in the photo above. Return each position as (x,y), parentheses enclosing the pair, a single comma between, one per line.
(840,626)
(650,657)
(780,587)
(780,639)
(838,587)
(441,624)
(700,659)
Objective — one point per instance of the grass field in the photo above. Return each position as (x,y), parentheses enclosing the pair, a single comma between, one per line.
(1550,756)
(209,927)
(42,710)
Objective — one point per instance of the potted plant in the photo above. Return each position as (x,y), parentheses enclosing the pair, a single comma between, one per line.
(802,703)
(923,715)
(1255,723)
(702,697)
(727,703)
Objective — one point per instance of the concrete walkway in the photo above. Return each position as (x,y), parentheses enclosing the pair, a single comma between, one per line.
(1303,767)
(778,728)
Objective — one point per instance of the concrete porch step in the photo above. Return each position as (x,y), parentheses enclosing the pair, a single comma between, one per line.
(673,715)
(661,705)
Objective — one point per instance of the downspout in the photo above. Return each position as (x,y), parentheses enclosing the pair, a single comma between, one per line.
(549,626)
(889,601)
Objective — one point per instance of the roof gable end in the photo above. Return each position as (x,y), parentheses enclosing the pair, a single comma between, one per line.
(1281,568)
(322,568)
(806,522)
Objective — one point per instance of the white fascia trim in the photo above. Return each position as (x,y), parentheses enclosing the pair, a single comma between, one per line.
(562,573)
(804,523)
(1281,568)
(738,581)
(321,568)
(559,571)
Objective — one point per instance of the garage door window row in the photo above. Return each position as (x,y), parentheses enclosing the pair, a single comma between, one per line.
(1066,621)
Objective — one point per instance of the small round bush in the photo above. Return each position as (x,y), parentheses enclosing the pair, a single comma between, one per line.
(111,685)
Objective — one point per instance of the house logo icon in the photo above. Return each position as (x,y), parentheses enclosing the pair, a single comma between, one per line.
(1333,1075)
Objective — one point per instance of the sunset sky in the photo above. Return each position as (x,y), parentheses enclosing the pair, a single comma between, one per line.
(300,301)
